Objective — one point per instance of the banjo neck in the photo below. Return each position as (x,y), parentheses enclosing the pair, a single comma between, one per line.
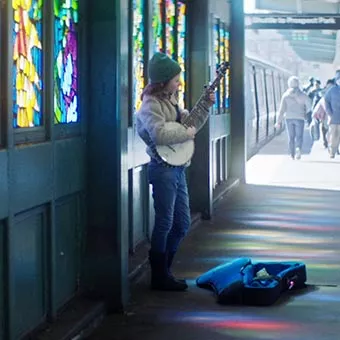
(199,112)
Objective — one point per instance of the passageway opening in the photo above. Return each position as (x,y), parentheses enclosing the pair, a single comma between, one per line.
(278,46)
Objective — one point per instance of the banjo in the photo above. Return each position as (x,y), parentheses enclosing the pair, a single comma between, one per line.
(180,153)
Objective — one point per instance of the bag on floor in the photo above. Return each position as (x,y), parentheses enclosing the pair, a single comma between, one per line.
(315,130)
(259,284)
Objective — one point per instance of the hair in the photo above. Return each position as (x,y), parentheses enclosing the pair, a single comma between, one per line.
(293,82)
(330,81)
(154,89)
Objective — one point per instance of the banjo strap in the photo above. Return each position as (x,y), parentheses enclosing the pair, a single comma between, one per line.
(178,113)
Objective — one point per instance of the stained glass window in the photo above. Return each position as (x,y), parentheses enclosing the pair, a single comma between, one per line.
(216,42)
(169,34)
(138,53)
(157,26)
(170,14)
(181,55)
(221,59)
(65,61)
(227,77)
(27,63)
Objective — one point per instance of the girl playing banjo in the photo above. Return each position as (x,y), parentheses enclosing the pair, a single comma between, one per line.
(155,125)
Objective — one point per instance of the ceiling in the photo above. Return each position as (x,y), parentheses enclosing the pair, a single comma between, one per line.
(299,6)
(313,45)
(310,45)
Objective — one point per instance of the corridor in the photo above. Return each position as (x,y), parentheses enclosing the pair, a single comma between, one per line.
(266,223)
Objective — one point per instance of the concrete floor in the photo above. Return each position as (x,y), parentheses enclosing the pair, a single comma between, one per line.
(264,222)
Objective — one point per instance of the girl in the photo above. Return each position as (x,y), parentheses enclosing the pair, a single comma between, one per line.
(170,192)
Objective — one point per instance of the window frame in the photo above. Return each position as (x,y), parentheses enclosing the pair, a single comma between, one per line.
(48,130)
(72,129)
(270,91)
(131,55)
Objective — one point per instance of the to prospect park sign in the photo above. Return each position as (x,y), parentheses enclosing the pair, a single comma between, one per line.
(285,21)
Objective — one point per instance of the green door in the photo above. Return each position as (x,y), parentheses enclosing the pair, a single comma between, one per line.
(42,161)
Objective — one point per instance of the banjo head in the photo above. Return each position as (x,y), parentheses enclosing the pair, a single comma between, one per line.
(176,154)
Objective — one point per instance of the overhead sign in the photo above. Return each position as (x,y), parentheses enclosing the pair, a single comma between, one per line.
(274,21)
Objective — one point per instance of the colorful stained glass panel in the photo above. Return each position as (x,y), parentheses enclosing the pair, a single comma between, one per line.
(157,26)
(170,15)
(181,55)
(227,77)
(221,59)
(138,53)
(216,42)
(66,108)
(27,63)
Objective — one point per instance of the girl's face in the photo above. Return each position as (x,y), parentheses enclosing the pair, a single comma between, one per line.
(173,84)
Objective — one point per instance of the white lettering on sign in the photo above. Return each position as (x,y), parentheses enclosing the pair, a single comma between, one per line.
(251,20)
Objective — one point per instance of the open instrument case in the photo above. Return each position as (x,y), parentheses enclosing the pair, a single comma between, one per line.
(261,283)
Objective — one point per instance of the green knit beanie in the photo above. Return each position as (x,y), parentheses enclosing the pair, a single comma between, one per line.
(162,68)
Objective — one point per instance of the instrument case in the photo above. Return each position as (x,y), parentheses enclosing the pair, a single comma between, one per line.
(241,282)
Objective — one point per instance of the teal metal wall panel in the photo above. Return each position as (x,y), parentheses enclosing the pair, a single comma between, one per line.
(3,185)
(69,166)
(219,126)
(66,249)
(139,210)
(200,171)
(2,259)
(106,270)
(27,271)
(32,176)
(237,118)
(151,219)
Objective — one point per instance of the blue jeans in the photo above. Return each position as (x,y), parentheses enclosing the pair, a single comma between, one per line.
(295,128)
(171,203)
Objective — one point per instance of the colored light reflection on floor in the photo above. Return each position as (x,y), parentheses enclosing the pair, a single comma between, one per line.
(274,236)
(253,325)
(241,326)
(284,214)
(261,248)
(285,224)
(289,215)
(324,266)
(321,297)
(311,195)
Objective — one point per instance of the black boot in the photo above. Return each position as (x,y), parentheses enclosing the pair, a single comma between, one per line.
(160,279)
(171,256)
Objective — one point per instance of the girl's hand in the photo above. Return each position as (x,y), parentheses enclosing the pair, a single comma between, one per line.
(184,114)
(191,132)
(212,98)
